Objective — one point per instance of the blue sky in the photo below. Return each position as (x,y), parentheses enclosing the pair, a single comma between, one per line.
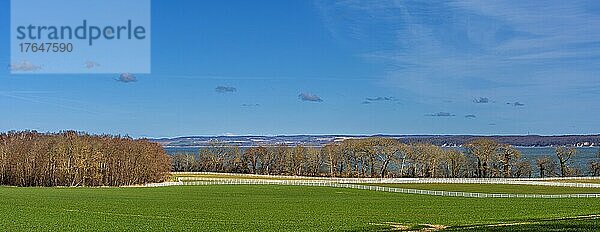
(334,67)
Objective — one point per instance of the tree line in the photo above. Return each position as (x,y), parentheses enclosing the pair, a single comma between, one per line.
(516,140)
(72,158)
(381,157)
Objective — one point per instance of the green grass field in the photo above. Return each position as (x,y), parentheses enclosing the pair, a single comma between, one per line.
(269,208)
(540,225)
(494,188)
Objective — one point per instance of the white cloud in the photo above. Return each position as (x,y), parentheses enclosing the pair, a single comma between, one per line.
(91,64)
(24,66)
(225,89)
(309,97)
(470,47)
(127,78)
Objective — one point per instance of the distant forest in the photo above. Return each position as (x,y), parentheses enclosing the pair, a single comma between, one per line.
(516,140)
(439,140)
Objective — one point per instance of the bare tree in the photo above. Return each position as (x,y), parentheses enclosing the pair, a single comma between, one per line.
(456,163)
(485,150)
(251,158)
(546,166)
(508,156)
(365,157)
(77,159)
(333,159)
(387,151)
(564,155)
(315,161)
(523,169)
(594,166)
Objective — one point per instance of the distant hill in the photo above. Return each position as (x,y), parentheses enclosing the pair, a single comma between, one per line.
(320,140)
(516,140)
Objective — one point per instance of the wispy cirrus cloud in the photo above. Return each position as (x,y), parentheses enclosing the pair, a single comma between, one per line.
(370,100)
(381,99)
(515,104)
(453,35)
(46,98)
(471,48)
(225,89)
(309,97)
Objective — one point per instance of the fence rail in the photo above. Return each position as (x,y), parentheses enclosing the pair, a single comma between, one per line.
(428,181)
(328,183)
(385,179)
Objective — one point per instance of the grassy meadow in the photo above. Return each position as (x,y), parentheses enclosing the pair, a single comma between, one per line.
(494,188)
(272,208)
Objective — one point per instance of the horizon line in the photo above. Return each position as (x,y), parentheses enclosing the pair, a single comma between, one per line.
(308,134)
(367,135)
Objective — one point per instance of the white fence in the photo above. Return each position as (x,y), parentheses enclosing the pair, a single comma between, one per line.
(328,183)
(247,175)
(385,180)
(164,184)
(513,181)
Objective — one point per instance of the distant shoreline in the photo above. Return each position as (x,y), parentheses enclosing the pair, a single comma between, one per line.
(439,140)
(443,147)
